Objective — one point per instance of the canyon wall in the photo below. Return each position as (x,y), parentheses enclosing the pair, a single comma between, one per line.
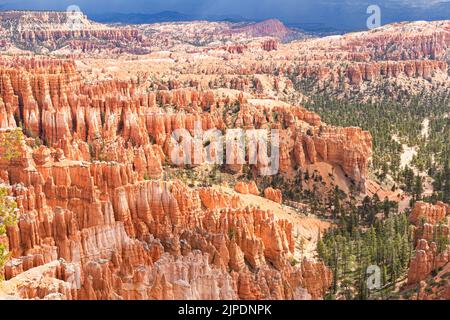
(96,219)
(87,121)
(432,225)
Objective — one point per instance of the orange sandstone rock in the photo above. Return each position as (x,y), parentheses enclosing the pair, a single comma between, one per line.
(273,194)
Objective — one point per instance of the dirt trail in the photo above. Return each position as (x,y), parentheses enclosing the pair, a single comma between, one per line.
(425,128)
(408,153)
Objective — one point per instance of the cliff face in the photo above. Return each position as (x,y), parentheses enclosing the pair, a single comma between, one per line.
(87,121)
(412,55)
(432,225)
(270,45)
(56,30)
(403,41)
(91,229)
(100,215)
(429,213)
(427,259)
(402,53)
(273,195)
(106,234)
(430,291)
(359,72)
(267,28)
(51,31)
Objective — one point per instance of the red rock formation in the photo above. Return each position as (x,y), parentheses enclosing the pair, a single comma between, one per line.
(430,291)
(270,45)
(359,72)
(241,187)
(402,41)
(236,48)
(97,221)
(247,188)
(55,30)
(316,277)
(273,194)
(105,235)
(87,198)
(426,260)
(213,199)
(428,219)
(429,213)
(65,118)
(267,28)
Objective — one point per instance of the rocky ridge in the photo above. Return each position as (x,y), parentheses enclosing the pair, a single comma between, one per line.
(432,224)
(112,229)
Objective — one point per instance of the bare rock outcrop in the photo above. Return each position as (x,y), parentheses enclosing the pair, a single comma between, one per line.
(427,259)
(97,217)
(431,228)
(247,188)
(429,213)
(273,194)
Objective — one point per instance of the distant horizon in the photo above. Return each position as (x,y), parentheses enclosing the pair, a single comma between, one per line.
(120,17)
(340,15)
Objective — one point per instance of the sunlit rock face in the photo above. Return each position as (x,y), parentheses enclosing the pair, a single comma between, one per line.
(431,223)
(111,229)
(101,215)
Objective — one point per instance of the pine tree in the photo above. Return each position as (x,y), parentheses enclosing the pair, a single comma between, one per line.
(387,205)
(408,175)
(446,187)
(335,267)
(321,250)
(418,187)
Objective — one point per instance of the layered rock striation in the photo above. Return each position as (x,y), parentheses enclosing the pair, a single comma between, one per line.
(96,219)
(431,230)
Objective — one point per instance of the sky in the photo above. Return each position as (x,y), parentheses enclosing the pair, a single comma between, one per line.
(347,14)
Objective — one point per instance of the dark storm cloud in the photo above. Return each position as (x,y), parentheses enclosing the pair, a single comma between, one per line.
(249,7)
